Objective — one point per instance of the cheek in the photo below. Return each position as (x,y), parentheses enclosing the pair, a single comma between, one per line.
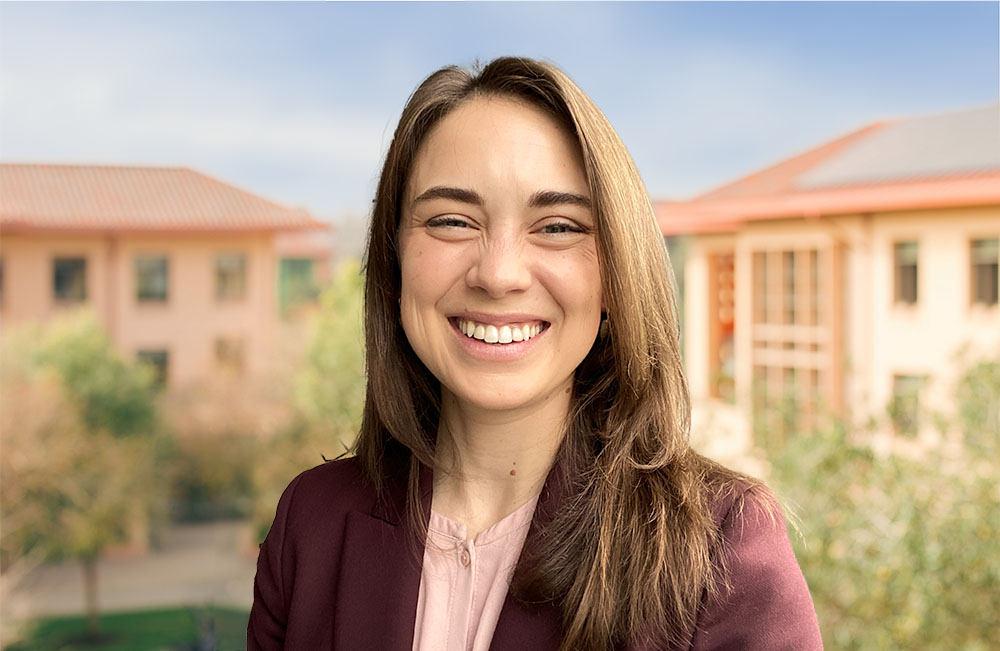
(412,281)
(586,285)
(427,276)
(575,284)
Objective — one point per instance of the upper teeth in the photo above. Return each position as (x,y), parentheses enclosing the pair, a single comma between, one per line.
(505,334)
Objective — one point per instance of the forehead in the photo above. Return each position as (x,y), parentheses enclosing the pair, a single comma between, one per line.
(490,140)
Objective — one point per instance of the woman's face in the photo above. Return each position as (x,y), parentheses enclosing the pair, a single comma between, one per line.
(497,242)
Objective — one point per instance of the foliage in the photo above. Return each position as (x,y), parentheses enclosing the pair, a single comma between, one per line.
(329,396)
(900,552)
(211,477)
(330,387)
(77,471)
(110,394)
(978,397)
(218,426)
(141,631)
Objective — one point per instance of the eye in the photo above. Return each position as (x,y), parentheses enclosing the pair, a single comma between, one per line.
(561,228)
(448,221)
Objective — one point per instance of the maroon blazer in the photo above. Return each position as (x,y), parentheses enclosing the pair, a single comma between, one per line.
(338,571)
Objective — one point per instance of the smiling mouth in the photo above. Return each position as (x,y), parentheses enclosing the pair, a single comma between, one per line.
(505,334)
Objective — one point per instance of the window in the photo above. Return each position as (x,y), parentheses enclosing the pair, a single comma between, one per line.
(904,407)
(230,276)
(151,278)
(814,287)
(905,261)
(69,279)
(295,282)
(158,360)
(984,271)
(793,341)
(720,325)
(229,354)
(788,286)
(760,284)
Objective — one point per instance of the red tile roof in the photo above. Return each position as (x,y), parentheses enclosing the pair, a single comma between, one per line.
(103,198)
(781,191)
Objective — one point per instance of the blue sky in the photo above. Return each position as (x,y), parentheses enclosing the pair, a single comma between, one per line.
(297,101)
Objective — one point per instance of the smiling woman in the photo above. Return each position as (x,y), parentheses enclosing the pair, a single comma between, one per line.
(500,239)
(522,479)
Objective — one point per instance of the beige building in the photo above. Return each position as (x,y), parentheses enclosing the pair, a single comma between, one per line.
(181,269)
(848,278)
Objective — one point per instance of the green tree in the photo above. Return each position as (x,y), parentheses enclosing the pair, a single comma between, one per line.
(900,552)
(329,395)
(978,396)
(78,425)
(330,385)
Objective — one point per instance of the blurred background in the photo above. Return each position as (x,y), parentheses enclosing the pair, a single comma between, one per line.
(183,198)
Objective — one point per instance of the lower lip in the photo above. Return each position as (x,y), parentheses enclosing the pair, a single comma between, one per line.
(495,352)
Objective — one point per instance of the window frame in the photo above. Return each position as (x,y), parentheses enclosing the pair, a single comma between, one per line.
(157,298)
(976,274)
(63,299)
(224,296)
(897,272)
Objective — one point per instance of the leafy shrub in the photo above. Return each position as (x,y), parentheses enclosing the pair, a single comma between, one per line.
(211,477)
(329,396)
(901,553)
(79,430)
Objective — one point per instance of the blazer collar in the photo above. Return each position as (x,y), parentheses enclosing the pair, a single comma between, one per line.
(380,569)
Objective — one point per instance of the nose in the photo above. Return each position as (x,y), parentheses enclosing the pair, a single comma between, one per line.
(501,267)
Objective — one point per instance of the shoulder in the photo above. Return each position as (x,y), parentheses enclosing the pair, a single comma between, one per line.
(302,548)
(745,502)
(741,507)
(764,602)
(331,487)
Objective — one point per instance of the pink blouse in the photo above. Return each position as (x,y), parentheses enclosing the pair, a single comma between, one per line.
(463,583)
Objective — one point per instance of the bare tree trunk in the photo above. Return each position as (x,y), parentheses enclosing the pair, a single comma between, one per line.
(90,595)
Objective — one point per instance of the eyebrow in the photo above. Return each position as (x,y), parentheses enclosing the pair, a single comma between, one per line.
(540,199)
(546,198)
(461,195)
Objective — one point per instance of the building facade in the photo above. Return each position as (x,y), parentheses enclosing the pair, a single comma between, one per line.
(849,280)
(179,268)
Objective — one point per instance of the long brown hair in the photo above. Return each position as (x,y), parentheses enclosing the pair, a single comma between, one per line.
(632,550)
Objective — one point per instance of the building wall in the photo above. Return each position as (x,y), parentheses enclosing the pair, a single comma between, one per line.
(877,337)
(924,339)
(696,289)
(187,324)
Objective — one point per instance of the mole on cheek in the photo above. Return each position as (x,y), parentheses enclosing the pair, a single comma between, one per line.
(513,472)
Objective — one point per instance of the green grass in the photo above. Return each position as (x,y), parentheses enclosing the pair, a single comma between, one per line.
(153,630)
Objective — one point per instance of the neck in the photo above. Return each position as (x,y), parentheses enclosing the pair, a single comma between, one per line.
(490,463)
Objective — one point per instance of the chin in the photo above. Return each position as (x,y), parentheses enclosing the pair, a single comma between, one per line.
(499,396)
(495,402)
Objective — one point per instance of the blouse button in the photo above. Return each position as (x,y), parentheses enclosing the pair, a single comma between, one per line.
(466,558)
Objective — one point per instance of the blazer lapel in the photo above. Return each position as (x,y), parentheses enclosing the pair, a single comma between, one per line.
(379,579)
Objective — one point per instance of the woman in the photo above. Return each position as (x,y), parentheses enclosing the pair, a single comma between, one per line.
(522,477)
